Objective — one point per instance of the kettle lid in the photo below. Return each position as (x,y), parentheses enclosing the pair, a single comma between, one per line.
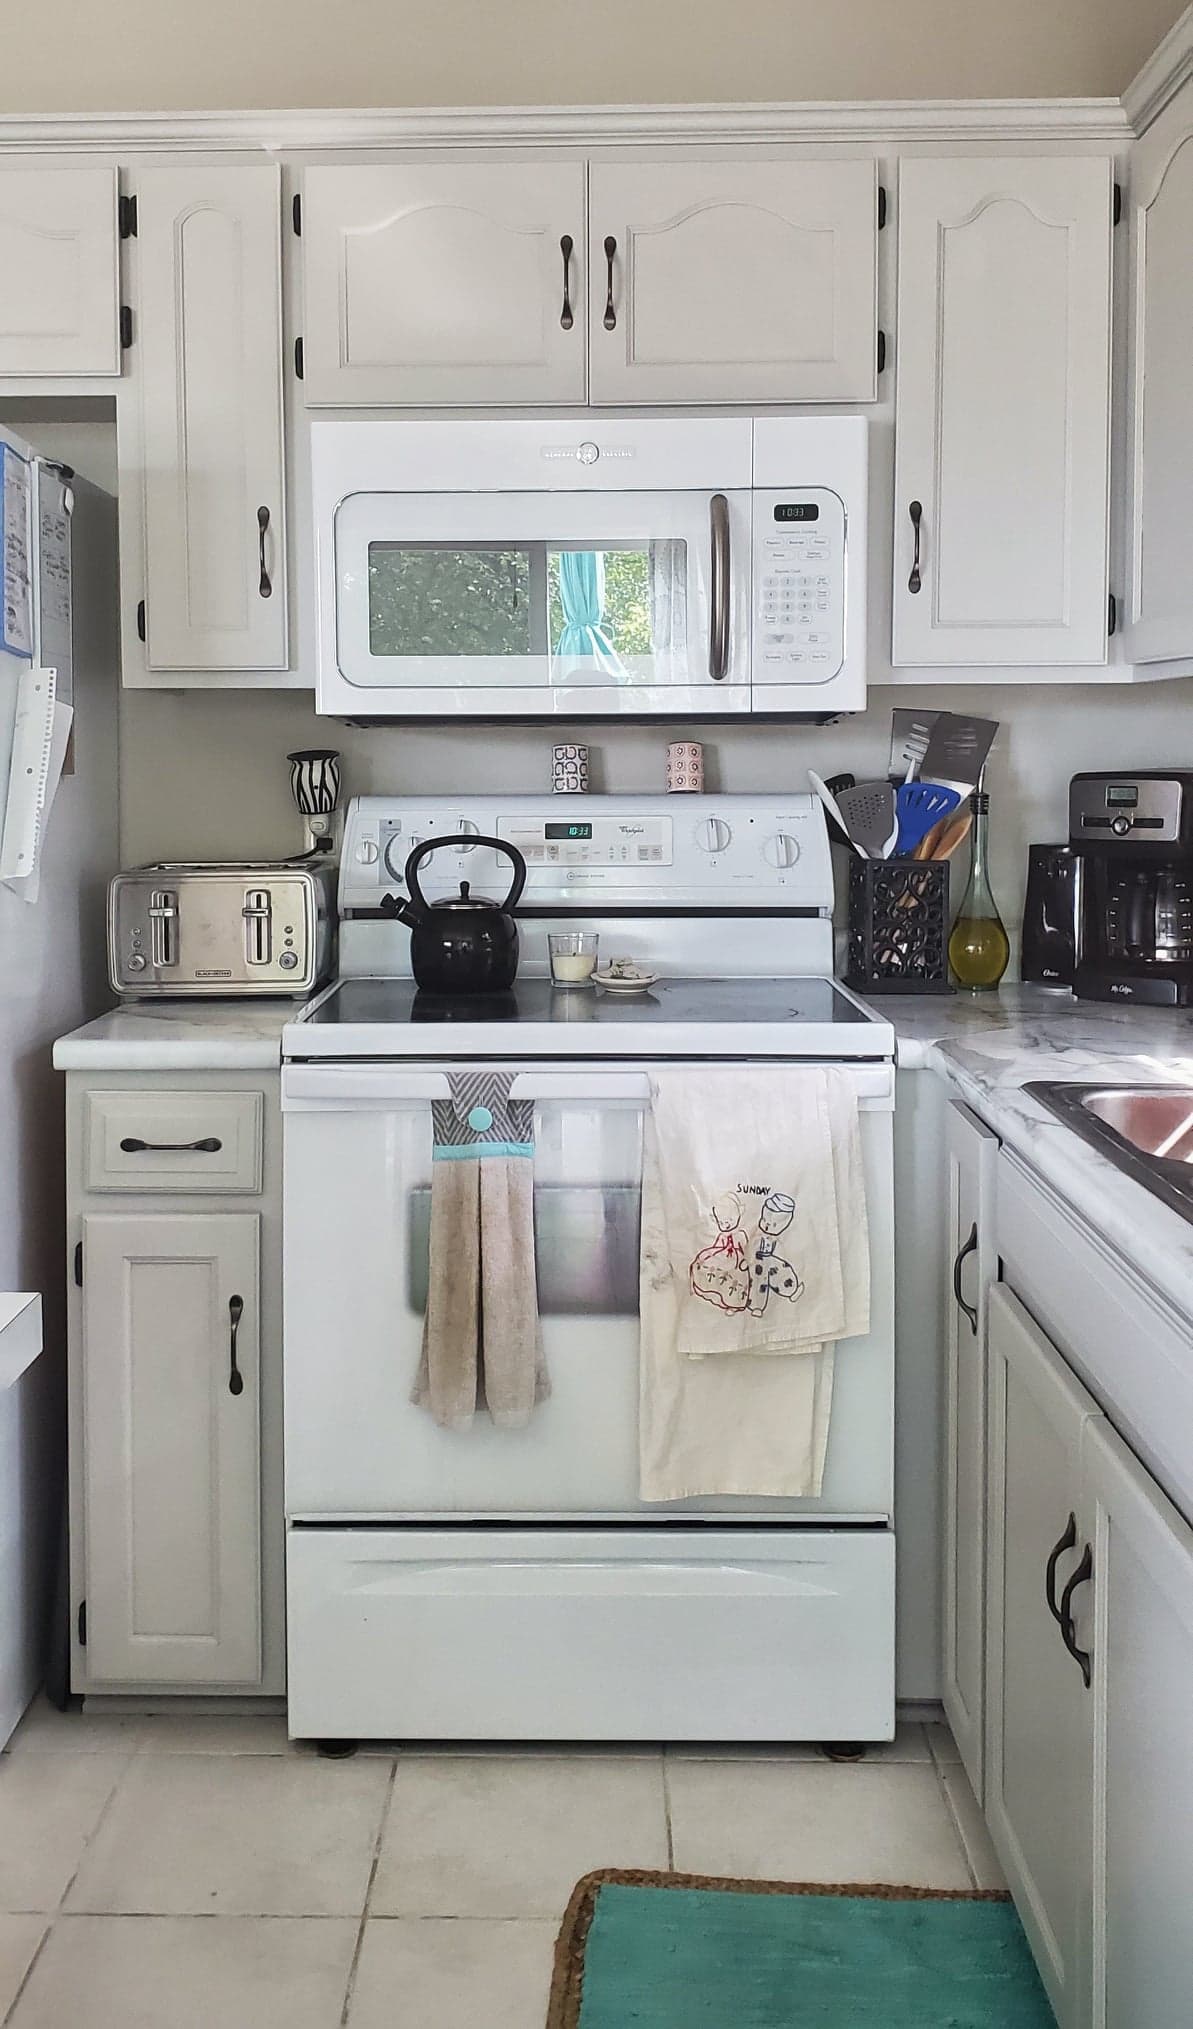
(465,900)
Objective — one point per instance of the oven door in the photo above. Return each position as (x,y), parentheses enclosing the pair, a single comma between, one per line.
(357,1202)
(539,604)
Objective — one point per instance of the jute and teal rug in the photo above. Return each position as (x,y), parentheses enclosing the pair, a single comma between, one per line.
(680,1951)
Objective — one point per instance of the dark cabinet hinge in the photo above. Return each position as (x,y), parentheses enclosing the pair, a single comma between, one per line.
(881,207)
(882,352)
(1112,615)
(82,1623)
(140,619)
(126,217)
(298,358)
(296,213)
(79,1263)
(1118,203)
(126,327)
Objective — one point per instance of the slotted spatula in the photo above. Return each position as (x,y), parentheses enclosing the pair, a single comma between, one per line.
(919,806)
(868,814)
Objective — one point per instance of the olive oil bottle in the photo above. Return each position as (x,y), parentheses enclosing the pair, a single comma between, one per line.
(979,948)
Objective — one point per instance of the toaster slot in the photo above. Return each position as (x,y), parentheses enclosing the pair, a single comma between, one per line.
(163,926)
(258,926)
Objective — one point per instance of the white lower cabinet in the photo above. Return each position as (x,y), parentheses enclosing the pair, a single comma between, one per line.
(1039,1713)
(971,1157)
(1136,1619)
(171,1448)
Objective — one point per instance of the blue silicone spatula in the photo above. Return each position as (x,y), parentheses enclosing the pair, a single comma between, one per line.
(918,806)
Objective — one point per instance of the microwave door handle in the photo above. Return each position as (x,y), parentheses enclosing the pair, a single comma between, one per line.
(718,633)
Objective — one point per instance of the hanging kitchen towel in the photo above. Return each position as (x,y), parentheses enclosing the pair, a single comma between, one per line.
(482,1342)
(763,1205)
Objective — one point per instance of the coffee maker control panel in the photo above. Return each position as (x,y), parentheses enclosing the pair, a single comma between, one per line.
(1145,809)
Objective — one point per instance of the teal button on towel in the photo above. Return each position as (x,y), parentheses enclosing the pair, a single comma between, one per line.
(480,1119)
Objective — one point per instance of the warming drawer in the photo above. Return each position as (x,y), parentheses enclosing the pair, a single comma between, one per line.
(602,1634)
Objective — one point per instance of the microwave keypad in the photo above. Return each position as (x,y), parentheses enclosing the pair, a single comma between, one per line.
(798,610)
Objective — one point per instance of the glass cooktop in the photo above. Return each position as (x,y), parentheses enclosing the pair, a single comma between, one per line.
(712,1002)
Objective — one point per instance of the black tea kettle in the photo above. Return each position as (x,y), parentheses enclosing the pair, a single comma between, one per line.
(465,943)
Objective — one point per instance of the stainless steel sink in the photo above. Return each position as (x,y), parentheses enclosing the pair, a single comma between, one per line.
(1145,1130)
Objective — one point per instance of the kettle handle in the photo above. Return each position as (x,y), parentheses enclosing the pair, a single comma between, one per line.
(430,845)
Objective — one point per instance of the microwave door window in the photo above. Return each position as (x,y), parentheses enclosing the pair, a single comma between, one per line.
(617,613)
(432,601)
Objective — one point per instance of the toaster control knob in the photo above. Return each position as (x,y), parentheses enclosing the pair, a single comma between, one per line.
(713,834)
(1120,826)
(135,961)
(366,852)
(781,851)
(288,960)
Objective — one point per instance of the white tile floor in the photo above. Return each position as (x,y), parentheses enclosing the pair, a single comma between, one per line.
(177,1873)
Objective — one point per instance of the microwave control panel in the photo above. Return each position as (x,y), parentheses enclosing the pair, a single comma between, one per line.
(799,586)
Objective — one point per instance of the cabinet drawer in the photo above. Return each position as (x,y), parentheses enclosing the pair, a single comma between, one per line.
(172,1141)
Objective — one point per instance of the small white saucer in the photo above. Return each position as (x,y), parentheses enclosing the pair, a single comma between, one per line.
(621,982)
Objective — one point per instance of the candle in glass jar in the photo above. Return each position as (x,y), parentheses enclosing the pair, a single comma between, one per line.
(573,965)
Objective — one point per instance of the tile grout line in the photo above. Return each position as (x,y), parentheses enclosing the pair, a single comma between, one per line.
(53,1915)
(666,1772)
(955,1821)
(364,1914)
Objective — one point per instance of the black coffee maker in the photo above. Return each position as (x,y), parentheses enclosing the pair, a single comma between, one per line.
(1135,836)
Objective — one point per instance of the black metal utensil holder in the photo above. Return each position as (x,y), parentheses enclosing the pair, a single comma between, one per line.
(898,926)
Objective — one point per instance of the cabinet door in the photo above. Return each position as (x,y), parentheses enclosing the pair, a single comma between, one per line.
(1160,598)
(59,257)
(1002,412)
(971,1153)
(746,281)
(171,1464)
(210,366)
(1137,1621)
(456,283)
(1039,1713)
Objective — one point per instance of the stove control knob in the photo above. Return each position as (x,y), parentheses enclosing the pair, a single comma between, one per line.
(366,852)
(781,851)
(467,828)
(713,834)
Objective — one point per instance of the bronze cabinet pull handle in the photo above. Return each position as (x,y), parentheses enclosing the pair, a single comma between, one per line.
(133,1145)
(264,583)
(610,318)
(915,581)
(1068,1633)
(970,1247)
(566,318)
(235,1313)
(1063,1543)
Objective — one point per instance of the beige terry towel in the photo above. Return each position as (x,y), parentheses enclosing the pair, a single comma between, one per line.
(482,1342)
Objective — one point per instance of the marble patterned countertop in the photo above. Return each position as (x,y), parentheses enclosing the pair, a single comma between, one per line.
(190,1035)
(989,1046)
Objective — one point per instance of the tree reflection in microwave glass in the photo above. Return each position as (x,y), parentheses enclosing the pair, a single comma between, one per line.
(430,601)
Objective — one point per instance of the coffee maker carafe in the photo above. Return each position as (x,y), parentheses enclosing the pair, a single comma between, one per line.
(1135,835)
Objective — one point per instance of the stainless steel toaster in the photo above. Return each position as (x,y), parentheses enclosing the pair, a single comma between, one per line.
(245,927)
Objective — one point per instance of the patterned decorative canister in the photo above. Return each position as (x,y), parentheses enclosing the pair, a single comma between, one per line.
(569,771)
(685,767)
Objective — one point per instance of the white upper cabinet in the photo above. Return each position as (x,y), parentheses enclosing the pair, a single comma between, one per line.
(451,283)
(59,259)
(733,281)
(1160,596)
(1002,411)
(208,359)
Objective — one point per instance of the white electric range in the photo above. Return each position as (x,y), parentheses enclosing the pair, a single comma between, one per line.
(511,1584)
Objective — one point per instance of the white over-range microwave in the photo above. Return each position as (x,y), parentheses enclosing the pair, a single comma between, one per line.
(605,567)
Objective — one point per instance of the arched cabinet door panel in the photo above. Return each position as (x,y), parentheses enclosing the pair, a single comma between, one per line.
(734,281)
(1002,420)
(59,272)
(444,283)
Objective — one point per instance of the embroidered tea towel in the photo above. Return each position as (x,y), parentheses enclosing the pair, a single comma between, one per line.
(482,1343)
(763,1204)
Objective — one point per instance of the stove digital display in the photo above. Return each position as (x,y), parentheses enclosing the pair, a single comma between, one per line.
(567,831)
(797,510)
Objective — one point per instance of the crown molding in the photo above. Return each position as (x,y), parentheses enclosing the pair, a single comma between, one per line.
(1162,76)
(580,127)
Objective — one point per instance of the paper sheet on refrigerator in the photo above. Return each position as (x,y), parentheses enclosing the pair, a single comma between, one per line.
(41,735)
(16,604)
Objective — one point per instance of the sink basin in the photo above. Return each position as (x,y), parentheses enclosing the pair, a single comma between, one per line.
(1145,1130)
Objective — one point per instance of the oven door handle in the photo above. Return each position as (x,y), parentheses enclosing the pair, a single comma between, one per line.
(365,1087)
